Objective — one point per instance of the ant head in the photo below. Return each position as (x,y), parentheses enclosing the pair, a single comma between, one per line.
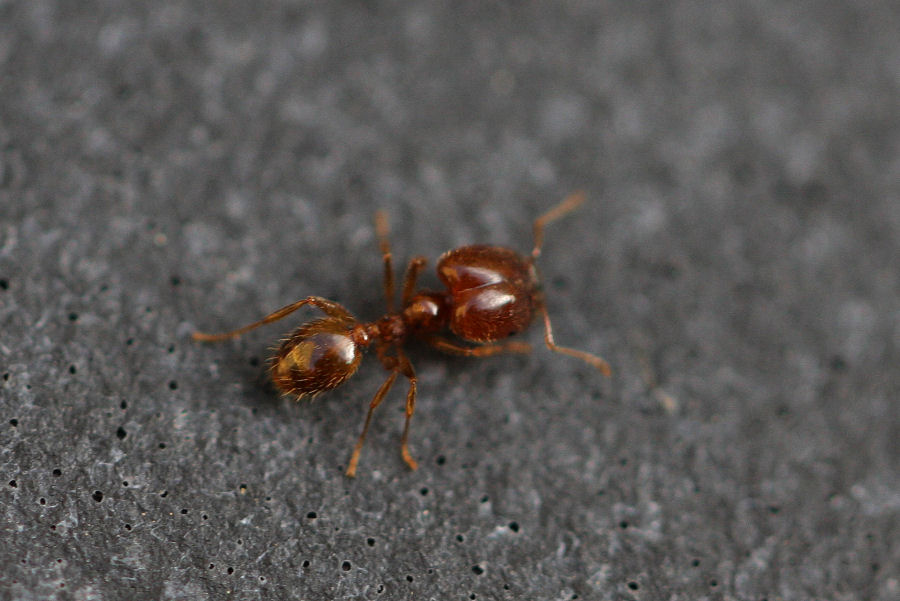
(317,356)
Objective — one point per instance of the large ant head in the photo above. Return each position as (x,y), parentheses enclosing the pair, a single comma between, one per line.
(317,356)
(493,291)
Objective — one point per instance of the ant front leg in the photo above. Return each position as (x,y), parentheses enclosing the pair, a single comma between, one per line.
(329,307)
(416,264)
(594,360)
(486,350)
(568,204)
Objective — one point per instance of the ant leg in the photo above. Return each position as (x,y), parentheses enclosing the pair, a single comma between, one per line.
(329,307)
(382,229)
(376,400)
(442,344)
(569,204)
(408,371)
(413,270)
(594,360)
(388,362)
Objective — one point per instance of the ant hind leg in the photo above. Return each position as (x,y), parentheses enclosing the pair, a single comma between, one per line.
(376,400)
(407,369)
(329,307)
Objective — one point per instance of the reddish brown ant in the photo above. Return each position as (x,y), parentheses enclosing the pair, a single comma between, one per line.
(492,293)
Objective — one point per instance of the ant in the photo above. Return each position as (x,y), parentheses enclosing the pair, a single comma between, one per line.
(492,293)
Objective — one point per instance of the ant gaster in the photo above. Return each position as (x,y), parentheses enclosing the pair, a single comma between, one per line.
(492,293)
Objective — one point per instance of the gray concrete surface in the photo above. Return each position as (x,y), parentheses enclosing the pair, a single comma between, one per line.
(166,166)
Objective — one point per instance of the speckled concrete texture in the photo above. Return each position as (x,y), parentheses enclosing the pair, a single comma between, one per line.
(173,165)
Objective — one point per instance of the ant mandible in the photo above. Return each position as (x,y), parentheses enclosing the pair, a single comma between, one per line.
(492,293)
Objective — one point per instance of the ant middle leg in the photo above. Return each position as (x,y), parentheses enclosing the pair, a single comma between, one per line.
(413,270)
(329,307)
(382,230)
(486,350)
